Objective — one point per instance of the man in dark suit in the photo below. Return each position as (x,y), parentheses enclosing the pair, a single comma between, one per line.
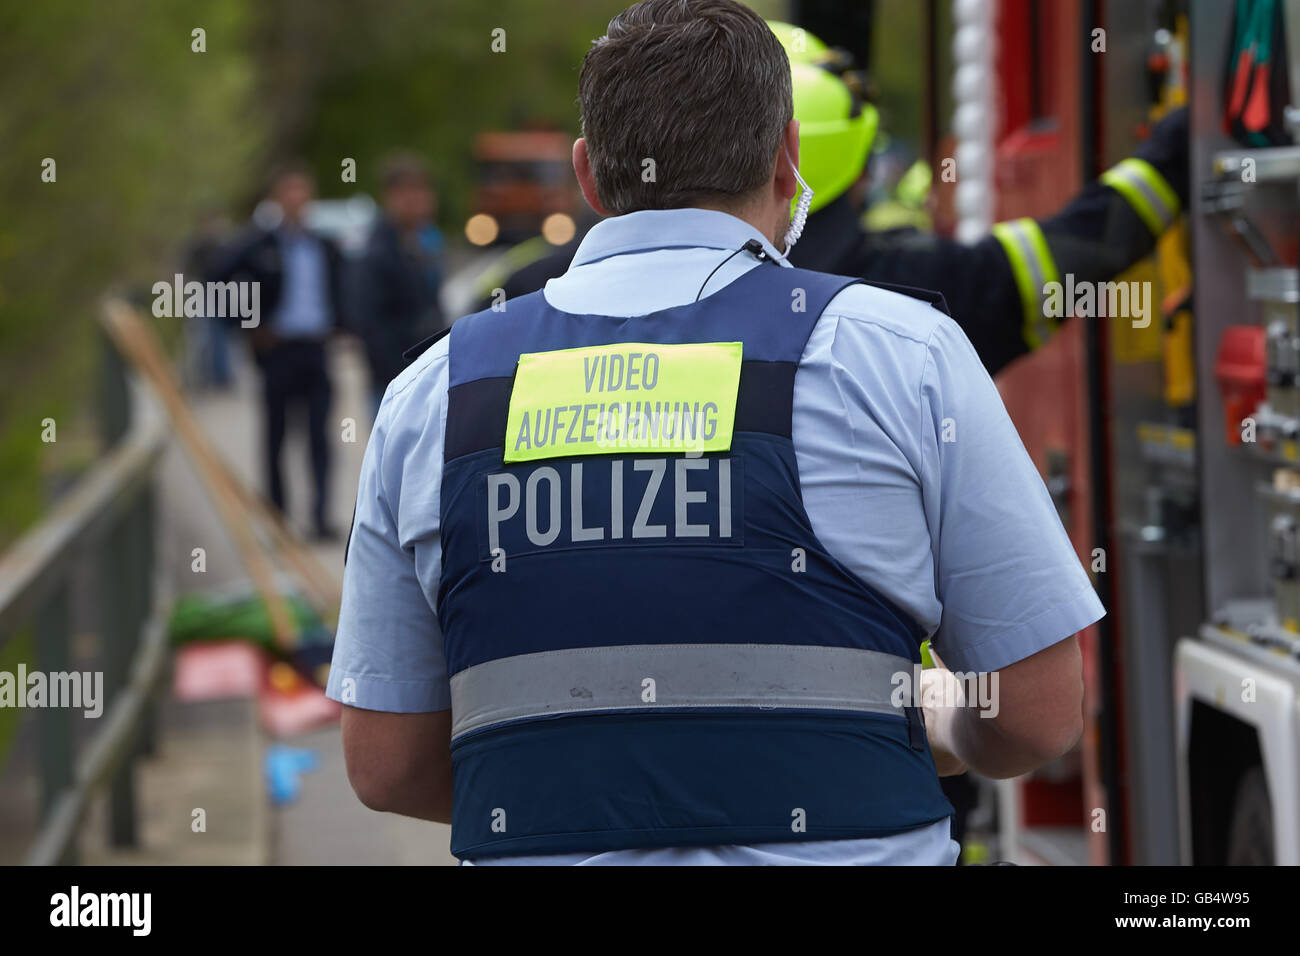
(300,277)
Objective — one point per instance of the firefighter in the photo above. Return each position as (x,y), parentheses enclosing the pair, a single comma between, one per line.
(994,287)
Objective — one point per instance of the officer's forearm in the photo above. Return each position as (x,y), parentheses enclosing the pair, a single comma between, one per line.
(960,740)
(984,748)
(1032,715)
(400,763)
(421,796)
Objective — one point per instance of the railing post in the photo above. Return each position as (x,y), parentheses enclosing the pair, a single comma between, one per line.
(109,517)
(119,595)
(114,394)
(115,583)
(148,514)
(53,655)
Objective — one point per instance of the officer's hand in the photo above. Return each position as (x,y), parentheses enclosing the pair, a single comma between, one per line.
(942,699)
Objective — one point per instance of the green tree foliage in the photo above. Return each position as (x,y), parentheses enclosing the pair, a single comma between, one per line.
(423,75)
(410,74)
(149,135)
(144,133)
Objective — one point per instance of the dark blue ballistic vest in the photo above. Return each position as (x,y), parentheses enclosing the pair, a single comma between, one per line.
(653,650)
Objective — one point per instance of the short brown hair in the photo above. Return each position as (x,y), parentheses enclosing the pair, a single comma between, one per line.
(701,87)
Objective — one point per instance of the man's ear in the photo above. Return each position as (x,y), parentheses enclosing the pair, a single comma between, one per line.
(787,160)
(587,182)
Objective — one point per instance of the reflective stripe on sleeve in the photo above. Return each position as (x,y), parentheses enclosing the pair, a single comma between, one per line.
(648,677)
(1033,267)
(1146,191)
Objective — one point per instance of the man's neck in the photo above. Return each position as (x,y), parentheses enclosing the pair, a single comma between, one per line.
(758,218)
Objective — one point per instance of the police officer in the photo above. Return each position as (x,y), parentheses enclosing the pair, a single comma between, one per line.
(647,556)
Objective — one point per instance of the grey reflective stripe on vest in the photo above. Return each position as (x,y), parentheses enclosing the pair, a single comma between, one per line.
(766,676)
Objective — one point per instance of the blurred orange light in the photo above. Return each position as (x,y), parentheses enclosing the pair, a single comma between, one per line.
(558,228)
(482,229)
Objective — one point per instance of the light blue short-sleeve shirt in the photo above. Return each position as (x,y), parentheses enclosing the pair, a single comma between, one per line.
(913,476)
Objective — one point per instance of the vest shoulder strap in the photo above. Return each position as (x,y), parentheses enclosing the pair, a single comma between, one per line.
(770,308)
(419,348)
(930,296)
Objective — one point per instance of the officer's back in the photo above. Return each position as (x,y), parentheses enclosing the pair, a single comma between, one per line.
(648,556)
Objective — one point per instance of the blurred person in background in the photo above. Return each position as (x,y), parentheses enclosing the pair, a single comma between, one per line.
(400,275)
(300,278)
(209,348)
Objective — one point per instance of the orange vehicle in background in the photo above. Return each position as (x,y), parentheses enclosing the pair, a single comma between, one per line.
(526,186)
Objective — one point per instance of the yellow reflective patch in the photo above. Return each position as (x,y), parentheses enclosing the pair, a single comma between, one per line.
(623,399)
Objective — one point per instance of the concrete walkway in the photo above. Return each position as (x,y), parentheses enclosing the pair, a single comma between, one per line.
(326,824)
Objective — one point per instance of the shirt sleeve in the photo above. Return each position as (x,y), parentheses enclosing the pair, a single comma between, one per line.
(1005,571)
(388,651)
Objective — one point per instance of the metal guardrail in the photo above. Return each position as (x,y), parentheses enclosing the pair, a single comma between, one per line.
(111,510)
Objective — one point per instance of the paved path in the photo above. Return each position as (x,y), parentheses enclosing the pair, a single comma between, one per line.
(326,824)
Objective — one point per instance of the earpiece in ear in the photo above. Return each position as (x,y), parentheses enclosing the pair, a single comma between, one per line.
(801,208)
